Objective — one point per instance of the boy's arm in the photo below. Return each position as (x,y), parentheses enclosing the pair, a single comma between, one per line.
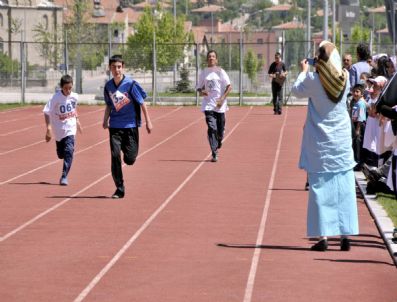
(48,134)
(105,123)
(79,127)
(149,125)
(222,99)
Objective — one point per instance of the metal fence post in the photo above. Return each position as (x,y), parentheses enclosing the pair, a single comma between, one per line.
(196,51)
(23,72)
(241,70)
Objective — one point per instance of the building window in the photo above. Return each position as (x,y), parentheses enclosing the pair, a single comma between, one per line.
(1,20)
(259,41)
(260,56)
(45,21)
(1,46)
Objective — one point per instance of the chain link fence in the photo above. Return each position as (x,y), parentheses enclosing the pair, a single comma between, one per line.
(30,72)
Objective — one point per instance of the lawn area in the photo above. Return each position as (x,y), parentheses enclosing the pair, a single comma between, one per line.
(11,106)
(389,203)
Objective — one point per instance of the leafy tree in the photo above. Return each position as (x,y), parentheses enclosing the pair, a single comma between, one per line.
(49,44)
(184,84)
(251,65)
(170,41)
(8,68)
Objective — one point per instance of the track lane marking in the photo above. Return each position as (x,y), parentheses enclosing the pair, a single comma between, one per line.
(257,252)
(77,152)
(146,224)
(49,210)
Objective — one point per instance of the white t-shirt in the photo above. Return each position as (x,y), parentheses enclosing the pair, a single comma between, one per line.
(62,112)
(214,80)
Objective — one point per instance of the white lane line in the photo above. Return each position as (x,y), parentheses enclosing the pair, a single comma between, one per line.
(78,152)
(49,210)
(23,147)
(257,252)
(19,130)
(42,114)
(146,224)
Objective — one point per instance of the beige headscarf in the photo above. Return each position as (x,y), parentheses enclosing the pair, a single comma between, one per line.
(332,76)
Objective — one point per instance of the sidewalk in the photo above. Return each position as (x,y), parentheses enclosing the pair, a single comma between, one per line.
(382,220)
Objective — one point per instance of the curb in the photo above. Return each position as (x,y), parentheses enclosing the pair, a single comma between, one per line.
(382,220)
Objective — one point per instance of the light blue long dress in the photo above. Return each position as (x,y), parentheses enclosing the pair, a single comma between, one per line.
(327,156)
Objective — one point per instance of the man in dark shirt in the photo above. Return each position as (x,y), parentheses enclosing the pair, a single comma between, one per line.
(277,72)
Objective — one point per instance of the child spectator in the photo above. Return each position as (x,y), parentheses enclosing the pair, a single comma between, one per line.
(373,144)
(358,116)
(60,115)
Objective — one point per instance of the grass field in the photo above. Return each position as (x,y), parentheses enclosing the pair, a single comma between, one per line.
(389,203)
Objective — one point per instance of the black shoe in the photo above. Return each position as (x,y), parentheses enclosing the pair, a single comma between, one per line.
(320,246)
(307,186)
(118,194)
(345,244)
(214,158)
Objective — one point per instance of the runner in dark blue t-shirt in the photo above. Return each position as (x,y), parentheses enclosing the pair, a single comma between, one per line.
(124,99)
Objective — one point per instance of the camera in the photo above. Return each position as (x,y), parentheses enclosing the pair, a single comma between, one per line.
(311,61)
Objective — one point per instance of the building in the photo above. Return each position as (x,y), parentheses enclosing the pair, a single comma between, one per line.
(18,21)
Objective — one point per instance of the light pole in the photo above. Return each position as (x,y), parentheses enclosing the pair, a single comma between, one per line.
(325,30)
(154,71)
(309,34)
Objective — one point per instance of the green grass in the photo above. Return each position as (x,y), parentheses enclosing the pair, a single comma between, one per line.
(389,203)
(11,106)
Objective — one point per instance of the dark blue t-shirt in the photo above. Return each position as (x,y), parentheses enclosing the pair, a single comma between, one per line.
(125,101)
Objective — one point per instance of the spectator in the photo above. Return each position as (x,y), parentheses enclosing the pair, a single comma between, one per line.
(326,152)
(359,117)
(362,65)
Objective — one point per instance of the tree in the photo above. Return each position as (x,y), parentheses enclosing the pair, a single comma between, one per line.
(184,84)
(49,43)
(251,65)
(170,41)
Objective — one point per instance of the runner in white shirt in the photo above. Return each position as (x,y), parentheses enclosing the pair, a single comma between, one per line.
(214,86)
(61,119)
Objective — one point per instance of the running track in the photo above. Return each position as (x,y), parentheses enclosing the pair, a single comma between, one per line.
(188,230)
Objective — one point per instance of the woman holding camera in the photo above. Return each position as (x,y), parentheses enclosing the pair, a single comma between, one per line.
(326,152)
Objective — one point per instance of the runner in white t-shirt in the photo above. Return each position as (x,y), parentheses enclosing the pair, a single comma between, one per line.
(61,119)
(214,86)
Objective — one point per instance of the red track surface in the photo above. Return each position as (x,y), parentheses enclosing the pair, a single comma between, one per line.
(188,230)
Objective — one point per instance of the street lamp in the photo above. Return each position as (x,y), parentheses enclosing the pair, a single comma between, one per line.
(154,71)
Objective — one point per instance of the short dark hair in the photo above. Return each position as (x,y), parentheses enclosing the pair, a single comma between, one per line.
(65,79)
(212,51)
(277,54)
(116,58)
(363,51)
(359,87)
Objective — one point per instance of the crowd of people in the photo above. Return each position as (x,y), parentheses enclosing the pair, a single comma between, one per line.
(372,117)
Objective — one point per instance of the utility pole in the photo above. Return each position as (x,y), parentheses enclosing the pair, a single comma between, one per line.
(308,30)
(325,30)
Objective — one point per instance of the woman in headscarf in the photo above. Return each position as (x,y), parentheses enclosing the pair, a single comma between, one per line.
(326,152)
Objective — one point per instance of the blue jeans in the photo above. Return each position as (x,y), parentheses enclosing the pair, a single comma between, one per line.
(65,150)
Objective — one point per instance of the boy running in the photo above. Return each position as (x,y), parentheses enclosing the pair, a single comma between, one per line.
(61,118)
(124,99)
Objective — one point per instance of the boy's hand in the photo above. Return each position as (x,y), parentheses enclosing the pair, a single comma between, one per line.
(80,128)
(203,93)
(48,135)
(219,102)
(105,125)
(149,127)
